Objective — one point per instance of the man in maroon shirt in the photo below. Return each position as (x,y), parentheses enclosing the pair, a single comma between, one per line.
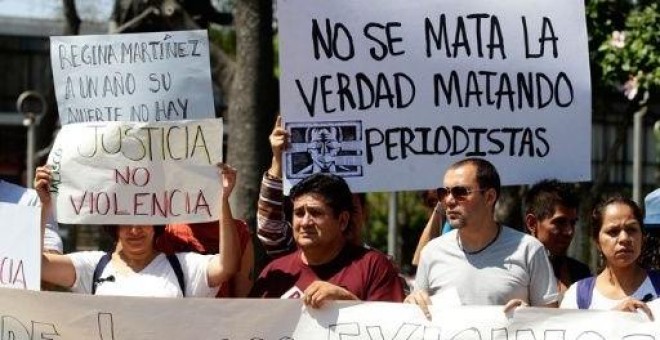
(326,266)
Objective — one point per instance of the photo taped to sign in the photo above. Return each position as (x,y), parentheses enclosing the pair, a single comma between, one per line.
(330,147)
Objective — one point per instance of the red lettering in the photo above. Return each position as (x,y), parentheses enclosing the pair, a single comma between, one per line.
(78,207)
(19,276)
(157,205)
(125,178)
(9,276)
(172,201)
(166,203)
(4,274)
(132,176)
(138,203)
(145,178)
(202,204)
(118,211)
(102,203)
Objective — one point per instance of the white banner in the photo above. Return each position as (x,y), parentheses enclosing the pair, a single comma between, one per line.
(20,250)
(137,173)
(132,77)
(387,95)
(34,315)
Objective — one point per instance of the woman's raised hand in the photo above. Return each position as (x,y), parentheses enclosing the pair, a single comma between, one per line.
(42,184)
(228,174)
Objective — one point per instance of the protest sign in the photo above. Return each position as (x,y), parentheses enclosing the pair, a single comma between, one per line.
(132,77)
(34,315)
(20,253)
(137,173)
(389,95)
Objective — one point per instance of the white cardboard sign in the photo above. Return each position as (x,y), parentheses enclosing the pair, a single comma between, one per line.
(34,315)
(132,77)
(20,253)
(137,173)
(387,95)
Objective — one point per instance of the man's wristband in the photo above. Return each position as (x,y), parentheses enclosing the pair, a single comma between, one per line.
(273,177)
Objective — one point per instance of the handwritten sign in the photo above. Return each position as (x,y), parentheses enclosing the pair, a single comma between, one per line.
(34,315)
(388,96)
(20,253)
(132,77)
(142,173)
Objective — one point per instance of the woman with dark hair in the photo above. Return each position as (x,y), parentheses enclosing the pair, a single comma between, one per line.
(623,284)
(135,267)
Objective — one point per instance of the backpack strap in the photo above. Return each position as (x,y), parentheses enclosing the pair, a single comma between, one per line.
(654,276)
(585,290)
(176,266)
(98,270)
(105,259)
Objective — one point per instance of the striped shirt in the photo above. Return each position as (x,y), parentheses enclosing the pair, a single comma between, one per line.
(273,229)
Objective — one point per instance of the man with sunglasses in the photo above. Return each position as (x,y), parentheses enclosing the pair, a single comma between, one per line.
(551,210)
(483,262)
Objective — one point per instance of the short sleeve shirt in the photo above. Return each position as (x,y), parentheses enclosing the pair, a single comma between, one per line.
(600,301)
(515,266)
(157,279)
(366,273)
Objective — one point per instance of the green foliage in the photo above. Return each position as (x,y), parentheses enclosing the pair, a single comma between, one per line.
(276,49)
(628,51)
(604,17)
(225,38)
(411,219)
(376,228)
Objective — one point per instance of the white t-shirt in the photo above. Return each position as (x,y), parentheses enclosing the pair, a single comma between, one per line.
(515,266)
(157,279)
(600,301)
(16,194)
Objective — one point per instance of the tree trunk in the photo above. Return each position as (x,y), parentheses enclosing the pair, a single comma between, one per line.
(252,103)
(223,69)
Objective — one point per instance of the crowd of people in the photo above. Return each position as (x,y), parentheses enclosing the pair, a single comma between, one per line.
(313,239)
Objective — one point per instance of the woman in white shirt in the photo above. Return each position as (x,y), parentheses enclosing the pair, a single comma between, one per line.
(135,267)
(618,232)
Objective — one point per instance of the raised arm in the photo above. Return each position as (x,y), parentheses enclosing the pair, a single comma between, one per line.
(278,143)
(55,268)
(243,280)
(431,231)
(273,231)
(228,263)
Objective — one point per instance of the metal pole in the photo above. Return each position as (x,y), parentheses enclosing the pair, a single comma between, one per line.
(32,105)
(29,122)
(638,152)
(638,123)
(391,226)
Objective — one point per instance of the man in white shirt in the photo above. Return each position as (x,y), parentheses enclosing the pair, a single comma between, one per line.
(484,262)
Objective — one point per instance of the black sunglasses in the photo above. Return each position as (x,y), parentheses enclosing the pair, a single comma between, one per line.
(458,192)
